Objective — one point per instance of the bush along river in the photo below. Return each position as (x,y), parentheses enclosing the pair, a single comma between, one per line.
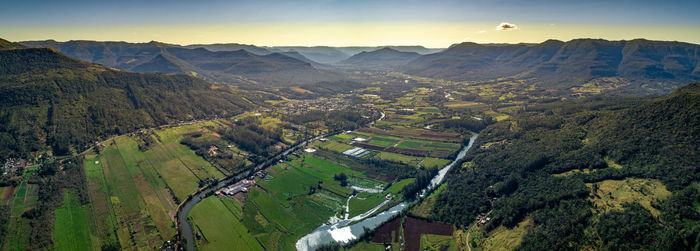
(342,233)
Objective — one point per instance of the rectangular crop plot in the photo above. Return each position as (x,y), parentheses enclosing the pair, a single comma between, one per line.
(71,225)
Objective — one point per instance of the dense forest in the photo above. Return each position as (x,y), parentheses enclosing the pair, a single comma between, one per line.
(50,99)
(517,168)
(249,134)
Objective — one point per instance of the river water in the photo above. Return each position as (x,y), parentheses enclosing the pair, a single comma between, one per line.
(341,233)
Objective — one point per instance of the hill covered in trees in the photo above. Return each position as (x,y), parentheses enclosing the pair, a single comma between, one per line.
(609,173)
(48,98)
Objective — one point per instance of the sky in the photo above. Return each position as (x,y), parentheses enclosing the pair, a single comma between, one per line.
(434,24)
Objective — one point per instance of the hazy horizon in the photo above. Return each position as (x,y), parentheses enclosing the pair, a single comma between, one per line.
(357,23)
(339,46)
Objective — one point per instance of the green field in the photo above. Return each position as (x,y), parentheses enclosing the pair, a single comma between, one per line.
(222,231)
(438,242)
(406,159)
(431,162)
(363,202)
(335,146)
(428,145)
(396,187)
(384,140)
(72,228)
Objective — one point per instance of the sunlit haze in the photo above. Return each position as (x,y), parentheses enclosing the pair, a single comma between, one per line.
(345,23)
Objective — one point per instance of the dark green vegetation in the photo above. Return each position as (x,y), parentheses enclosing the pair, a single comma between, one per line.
(47,98)
(524,167)
(640,66)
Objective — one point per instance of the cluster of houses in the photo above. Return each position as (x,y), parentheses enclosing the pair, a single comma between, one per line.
(11,165)
(482,219)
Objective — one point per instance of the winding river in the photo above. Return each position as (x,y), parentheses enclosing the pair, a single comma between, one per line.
(340,232)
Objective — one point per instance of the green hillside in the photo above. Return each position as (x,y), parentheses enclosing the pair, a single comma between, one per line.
(616,173)
(49,98)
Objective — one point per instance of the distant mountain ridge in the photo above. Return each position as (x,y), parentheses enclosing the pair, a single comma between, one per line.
(237,67)
(658,65)
(334,55)
(385,58)
(230,47)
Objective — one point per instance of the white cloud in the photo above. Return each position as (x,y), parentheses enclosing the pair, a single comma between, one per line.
(506,26)
(481,32)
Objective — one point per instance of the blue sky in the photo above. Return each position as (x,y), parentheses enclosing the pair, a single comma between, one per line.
(82,19)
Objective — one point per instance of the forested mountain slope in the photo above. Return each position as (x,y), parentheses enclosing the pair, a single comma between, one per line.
(641,66)
(608,173)
(49,98)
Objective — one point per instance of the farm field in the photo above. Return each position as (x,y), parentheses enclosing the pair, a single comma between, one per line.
(395,149)
(74,227)
(21,199)
(221,231)
(138,191)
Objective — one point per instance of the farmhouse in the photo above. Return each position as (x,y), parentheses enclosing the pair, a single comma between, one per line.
(212,150)
(241,186)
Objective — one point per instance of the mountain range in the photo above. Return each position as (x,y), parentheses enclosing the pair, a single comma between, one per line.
(230,67)
(655,65)
(637,66)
